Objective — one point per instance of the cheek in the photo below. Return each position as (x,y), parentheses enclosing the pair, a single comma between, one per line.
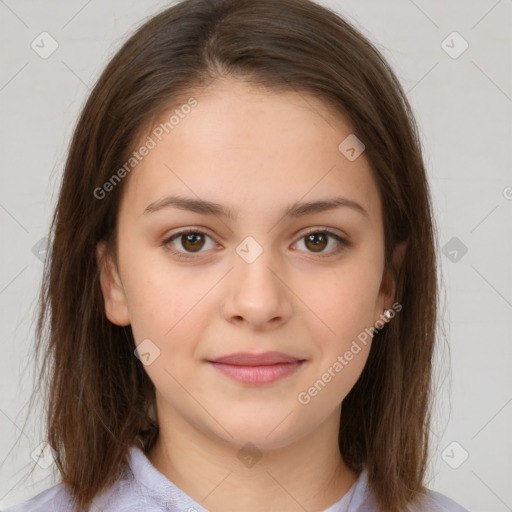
(344,300)
(340,360)
(166,308)
(345,303)
(163,301)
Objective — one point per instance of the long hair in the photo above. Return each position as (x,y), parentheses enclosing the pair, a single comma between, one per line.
(99,400)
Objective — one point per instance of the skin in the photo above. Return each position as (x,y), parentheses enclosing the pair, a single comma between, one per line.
(253,151)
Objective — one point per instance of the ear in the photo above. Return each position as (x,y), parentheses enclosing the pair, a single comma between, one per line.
(116,307)
(389,280)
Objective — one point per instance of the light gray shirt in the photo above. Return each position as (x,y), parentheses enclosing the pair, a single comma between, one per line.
(146,489)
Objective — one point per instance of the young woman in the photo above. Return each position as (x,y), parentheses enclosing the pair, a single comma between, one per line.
(239,305)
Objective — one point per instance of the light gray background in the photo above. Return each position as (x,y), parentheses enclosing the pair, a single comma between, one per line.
(463,106)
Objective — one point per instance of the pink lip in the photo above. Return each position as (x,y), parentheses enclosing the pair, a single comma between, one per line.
(248,359)
(257,369)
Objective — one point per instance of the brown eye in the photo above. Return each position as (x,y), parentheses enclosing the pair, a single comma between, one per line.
(317,242)
(192,241)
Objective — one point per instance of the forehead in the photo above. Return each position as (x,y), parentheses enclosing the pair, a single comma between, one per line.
(247,147)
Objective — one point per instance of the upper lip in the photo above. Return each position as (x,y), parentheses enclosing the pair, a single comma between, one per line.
(250,359)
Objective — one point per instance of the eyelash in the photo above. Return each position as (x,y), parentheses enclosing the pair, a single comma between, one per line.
(165,243)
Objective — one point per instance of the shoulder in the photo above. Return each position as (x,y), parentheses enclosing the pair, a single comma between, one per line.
(56,498)
(122,496)
(363,500)
(139,487)
(436,502)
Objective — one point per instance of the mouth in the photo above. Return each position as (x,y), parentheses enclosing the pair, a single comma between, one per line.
(257,369)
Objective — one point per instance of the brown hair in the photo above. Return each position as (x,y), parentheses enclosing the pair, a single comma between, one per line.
(99,397)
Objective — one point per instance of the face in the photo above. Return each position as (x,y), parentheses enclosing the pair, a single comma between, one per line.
(305,284)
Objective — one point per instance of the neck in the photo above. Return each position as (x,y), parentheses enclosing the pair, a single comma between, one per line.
(307,474)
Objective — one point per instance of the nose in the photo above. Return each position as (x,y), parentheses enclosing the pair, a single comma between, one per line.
(258,294)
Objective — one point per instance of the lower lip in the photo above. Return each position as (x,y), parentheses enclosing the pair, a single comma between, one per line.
(255,375)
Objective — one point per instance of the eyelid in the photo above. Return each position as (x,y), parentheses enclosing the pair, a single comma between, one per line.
(321,229)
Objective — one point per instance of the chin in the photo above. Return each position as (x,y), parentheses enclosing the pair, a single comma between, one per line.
(265,433)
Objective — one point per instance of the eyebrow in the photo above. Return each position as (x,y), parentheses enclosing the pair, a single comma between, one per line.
(295,210)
